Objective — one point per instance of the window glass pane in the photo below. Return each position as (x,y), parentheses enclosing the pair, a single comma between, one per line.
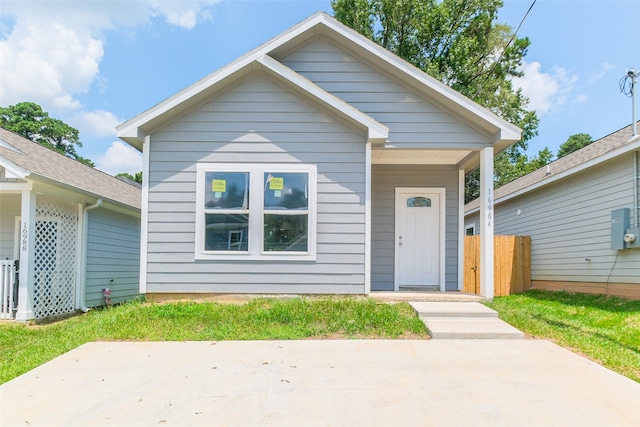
(286,190)
(226,190)
(226,232)
(418,202)
(286,233)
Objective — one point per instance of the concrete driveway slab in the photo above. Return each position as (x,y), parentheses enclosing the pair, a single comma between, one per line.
(321,383)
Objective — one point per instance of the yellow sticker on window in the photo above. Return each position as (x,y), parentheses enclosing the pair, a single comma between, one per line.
(276,183)
(219,185)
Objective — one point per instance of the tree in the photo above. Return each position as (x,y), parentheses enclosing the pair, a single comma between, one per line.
(460,43)
(523,166)
(509,171)
(135,178)
(28,120)
(574,143)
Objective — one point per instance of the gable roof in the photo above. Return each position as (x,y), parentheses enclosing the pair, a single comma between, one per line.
(605,148)
(134,130)
(25,158)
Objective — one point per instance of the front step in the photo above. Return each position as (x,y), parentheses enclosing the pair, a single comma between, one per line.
(452,309)
(463,320)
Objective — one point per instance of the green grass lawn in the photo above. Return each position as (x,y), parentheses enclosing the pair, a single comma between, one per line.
(23,347)
(604,329)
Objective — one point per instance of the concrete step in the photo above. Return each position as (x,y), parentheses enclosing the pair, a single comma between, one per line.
(425,296)
(463,320)
(452,309)
(470,328)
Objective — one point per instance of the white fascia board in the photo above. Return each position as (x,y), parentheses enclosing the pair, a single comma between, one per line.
(12,170)
(132,131)
(8,146)
(566,173)
(66,191)
(443,93)
(377,132)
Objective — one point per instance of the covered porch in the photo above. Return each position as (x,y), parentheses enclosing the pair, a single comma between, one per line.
(60,245)
(39,248)
(417,218)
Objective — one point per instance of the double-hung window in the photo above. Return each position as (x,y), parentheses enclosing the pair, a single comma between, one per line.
(255,211)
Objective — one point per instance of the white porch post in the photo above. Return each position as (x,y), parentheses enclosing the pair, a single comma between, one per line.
(486,222)
(27,253)
(367,221)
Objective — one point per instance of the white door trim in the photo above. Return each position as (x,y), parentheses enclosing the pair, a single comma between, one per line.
(442,232)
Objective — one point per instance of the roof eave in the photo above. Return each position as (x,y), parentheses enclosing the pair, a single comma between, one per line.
(13,169)
(86,193)
(437,90)
(634,144)
(133,130)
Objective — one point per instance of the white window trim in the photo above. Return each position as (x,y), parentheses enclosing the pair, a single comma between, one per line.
(256,212)
(470,227)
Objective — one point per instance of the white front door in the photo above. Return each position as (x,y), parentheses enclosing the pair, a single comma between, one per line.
(419,238)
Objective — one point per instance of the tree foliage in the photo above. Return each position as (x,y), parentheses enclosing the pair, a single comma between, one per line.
(30,121)
(460,43)
(137,177)
(574,143)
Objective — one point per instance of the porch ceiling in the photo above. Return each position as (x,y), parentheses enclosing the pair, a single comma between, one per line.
(418,157)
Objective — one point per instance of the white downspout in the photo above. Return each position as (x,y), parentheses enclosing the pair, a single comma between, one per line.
(83,272)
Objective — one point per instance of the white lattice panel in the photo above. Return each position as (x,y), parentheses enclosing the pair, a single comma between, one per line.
(54,289)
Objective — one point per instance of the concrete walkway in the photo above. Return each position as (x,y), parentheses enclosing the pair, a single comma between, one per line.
(321,383)
(463,320)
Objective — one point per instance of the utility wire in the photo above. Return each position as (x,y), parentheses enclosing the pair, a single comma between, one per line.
(626,84)
(513,36)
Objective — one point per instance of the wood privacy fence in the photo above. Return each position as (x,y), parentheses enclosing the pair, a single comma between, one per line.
(512,264)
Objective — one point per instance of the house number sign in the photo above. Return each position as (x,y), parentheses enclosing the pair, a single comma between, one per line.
(25,238)
(489,209)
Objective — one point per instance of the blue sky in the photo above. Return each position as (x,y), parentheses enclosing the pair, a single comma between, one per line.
(96,63)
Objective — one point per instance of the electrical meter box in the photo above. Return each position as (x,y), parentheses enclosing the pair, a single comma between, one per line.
(632,238)
(619,226)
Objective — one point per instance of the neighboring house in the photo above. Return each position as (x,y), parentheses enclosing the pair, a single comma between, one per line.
(577,211)
(317,163)
(71,230)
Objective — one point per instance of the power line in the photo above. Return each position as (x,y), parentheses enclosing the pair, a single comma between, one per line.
(513,36)
(626,82)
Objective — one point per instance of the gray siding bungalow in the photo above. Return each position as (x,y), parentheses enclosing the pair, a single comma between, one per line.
(577,211)
(67,232)
(317,163)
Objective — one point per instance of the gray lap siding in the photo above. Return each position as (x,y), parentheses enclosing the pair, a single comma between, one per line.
(113,252)
(385,179)
(260,122)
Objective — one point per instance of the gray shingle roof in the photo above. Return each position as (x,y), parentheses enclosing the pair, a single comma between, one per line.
(45,163)
(592,151)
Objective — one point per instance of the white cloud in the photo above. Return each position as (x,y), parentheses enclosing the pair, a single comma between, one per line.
(95,123)
(185,14)
(47,63)
(51,50)
(546,91)
(120,157)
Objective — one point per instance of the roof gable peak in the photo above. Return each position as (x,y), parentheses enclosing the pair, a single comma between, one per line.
(133,131)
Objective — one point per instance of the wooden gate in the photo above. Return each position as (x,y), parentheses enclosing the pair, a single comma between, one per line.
(512,264)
